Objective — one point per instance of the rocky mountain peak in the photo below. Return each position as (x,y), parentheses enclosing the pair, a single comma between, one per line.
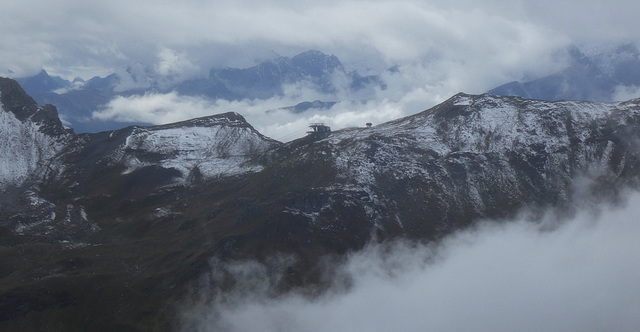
(15,100)
(42,83)
(31,137)
(316,63)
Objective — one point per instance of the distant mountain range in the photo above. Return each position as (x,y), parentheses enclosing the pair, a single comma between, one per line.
(78,99)
(607,74)
(107,231)
(595,76)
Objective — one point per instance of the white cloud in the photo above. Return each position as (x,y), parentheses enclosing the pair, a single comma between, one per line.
(589,20)
(174,64)
(489,36)
(625,92)
(268,117)
(582,276)
(155,108)
(168,68)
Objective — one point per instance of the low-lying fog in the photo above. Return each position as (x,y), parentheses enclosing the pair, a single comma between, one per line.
(582,274)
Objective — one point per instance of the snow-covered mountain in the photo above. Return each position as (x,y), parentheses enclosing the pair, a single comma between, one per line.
(32,136)
(604,74)
(40,157)
(140,211)
(470,157)
(211,146)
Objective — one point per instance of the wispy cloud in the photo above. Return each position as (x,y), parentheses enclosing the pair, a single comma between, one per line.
(267,116)
(625,92)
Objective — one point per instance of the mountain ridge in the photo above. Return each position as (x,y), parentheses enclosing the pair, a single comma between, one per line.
(135,211)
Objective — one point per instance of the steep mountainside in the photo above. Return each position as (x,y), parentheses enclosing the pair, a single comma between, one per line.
(31,136)
(50,168)
(125,222)
(470,157)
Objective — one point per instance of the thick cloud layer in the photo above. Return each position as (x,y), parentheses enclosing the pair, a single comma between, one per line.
(516,276)
(73,37)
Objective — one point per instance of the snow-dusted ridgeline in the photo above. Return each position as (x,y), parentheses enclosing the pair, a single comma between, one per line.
(216,145)
(478,155)
(482,124)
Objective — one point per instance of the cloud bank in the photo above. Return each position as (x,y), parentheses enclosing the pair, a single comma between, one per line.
(514,276)
(268,116)
(87,38)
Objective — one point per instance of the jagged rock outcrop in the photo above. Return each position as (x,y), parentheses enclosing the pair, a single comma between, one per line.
(31,136)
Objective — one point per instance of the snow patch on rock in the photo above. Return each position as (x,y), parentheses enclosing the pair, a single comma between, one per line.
(219,147)
(26,151)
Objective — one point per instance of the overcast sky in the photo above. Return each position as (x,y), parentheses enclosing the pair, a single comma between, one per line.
(86,38)
(442,46)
